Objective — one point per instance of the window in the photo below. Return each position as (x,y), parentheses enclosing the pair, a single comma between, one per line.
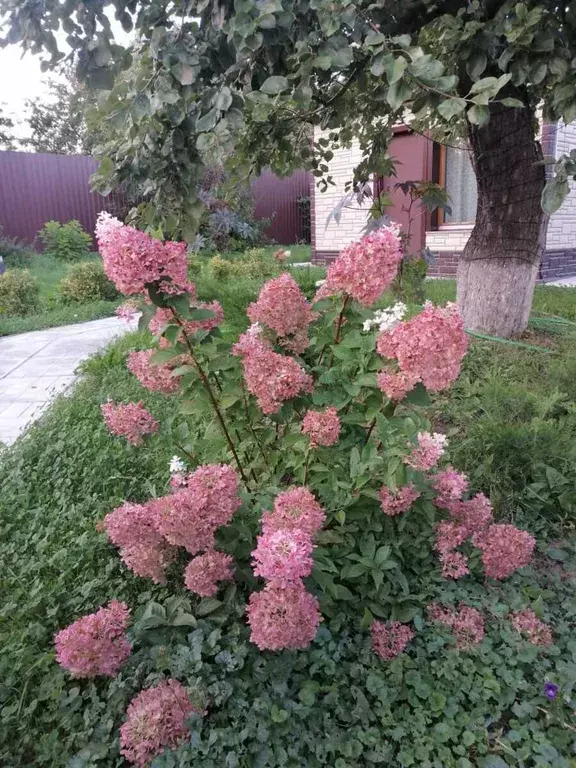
(460,182)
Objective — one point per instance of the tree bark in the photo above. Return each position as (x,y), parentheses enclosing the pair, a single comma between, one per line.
(498,268)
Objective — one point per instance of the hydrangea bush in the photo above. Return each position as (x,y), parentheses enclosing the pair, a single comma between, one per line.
(328,500)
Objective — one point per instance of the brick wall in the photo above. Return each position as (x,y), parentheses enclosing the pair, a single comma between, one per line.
(331,237)
(448,239)
(562,225)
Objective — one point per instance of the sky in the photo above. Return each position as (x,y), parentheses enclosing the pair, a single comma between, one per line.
(21,78)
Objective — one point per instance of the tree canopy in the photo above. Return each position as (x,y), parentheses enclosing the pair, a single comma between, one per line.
(6,130)
(253,75)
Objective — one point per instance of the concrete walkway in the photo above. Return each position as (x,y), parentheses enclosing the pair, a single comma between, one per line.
(37,366)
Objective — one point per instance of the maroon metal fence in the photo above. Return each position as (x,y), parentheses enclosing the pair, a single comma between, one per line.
(277,199)
(35,188)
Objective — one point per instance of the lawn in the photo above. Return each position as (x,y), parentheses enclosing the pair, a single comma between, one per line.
(511,424)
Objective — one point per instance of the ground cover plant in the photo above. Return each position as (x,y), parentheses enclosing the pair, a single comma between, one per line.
(330,510)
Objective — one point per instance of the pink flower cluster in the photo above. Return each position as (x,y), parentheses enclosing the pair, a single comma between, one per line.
(389,640)
(283,617)
(323,427)
(133,528)
(132,258)
(526,622)
(163,317)
(294,510)
(130,420)
(428,348)
(156,719)
(156,378)
(450,485)
(505,549)
(466,623)
(203,573)
(428,452)
(283,557)
(190,515)
(148,534)
(283,307)
(364,269)
(270,377)
(284,614)
(97,643)
(395,502)
(127,311)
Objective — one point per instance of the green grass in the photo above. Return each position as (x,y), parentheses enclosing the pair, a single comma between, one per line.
(298,253)
(49,272)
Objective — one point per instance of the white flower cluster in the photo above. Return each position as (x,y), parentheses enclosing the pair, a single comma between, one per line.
(176,465)
(385,319)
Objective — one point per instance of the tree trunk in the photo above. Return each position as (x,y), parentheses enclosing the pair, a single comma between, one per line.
(497,270)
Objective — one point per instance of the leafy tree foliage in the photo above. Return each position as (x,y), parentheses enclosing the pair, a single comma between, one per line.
(252,77)
(6,126)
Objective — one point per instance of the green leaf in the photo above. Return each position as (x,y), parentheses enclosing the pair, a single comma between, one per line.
(382,554)
(162,356)
(478,114)
(274,85)
(184,73)
(398,93)
(476,64)
(354,462)
(141,106)
(451,107)
(554,194)
(223,100)
(207,121)
(514,103)
(208,605)
(342,593)
(419,395)
(395,71)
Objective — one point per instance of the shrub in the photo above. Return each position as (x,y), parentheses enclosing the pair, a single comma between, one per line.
(86,282)
(67,242)
(19,293)
(296,470)
(14,252)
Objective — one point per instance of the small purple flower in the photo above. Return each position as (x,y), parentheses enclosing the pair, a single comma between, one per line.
(551,691)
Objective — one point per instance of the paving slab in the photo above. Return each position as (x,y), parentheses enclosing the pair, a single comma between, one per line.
(35,367)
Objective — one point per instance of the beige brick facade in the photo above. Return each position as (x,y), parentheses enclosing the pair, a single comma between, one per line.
(562,225)
(332,236)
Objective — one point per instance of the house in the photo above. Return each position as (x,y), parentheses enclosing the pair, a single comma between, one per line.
(419,158)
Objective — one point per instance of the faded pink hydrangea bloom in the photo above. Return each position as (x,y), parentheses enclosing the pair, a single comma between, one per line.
(163,317)
(156,719)
(428,452)
(429,347)
(396,385)
(505,549)
(449,535)
(127,311)
(450,485)
(156,378)
(466,623)
(364,269)
(395,502)
(283,618)
(129,420)
(454,565)
(132,258)
(294,510)
(203,573)
(270,377)
(283,307)
(96,644)
(389,640)
(474,514)
(323,427)
(134,528)
(283,557)
(190,515)
(526,622)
